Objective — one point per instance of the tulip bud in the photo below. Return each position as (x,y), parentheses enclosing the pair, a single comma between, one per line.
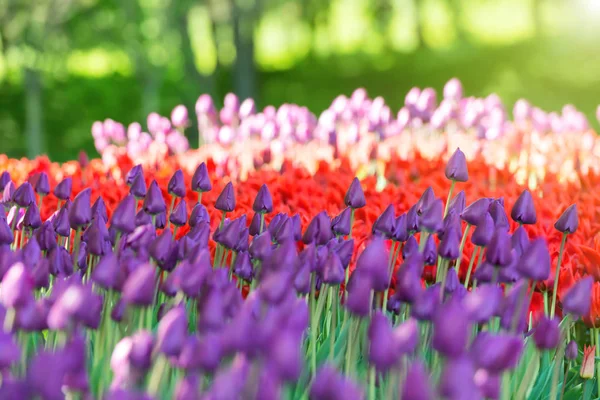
(587,366)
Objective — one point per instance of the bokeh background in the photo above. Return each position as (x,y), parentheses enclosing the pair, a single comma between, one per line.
(67,63)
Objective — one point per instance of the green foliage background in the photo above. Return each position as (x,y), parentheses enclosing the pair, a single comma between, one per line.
(67,63)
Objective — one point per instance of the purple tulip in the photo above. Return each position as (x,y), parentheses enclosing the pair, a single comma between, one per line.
(406,336)
(108,273)
(496,352)
(4,180)
(431,219)
(355,197)
(333,271)
(412,220)
(17,286)
(32,252)
(418,384)
(60,223)
(199,214)
(483,303)
(179,215)
(172,332)
(263,203)
(456,381)
(188,387)
(359,293)
(488,384)
(80,211)
(142,218)
(261,247)
(384,224)
(499,215)
(381,343)
(458,203)
(523,210)
(571,352)
(456,168)
(345,250)
(63,189)
(123,216)
(534,264)
(42,184)
(154,203)
(547,334)
(329,384)
(483,231)
(408,279)
(578,299)
(499,250)
(201,180)
(341,223)
(7,195)
(133,173)
(140,285)
(243,266)
(374,260)
(449,246)
(24,196)
(450,329)
(477,210)
(45,375)
(99,210)
(285,231)
(226,200)
(138,187)
(568,221)
(176,184)
(424,306)
(6,235)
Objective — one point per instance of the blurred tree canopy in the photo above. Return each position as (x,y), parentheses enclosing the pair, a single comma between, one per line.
(67,63)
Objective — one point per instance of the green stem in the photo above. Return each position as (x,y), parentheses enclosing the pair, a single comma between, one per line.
(262,222)
(471,262)
(444,270)
(199,197)
(352,210)
(463,242)
(517,312)
(595,333)
(545,302)
(372,375)
(449,197)
(560,353)
(170,212)
(423,240)
(156,376)
(76,243)
(332,335)
(350,346)
(9,319)
(313,327)
(554,292)
(392,263)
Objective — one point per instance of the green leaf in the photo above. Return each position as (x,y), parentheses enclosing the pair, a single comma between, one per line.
(339,346)
(542,383)
(588,388)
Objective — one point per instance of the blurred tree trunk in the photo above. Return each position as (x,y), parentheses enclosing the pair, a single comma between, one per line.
(456,7)
(243,31)
(151,81)
(200,83)
(33,113)
(538,20)
(419,23)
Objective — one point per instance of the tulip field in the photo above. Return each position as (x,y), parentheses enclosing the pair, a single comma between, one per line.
(446,250)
